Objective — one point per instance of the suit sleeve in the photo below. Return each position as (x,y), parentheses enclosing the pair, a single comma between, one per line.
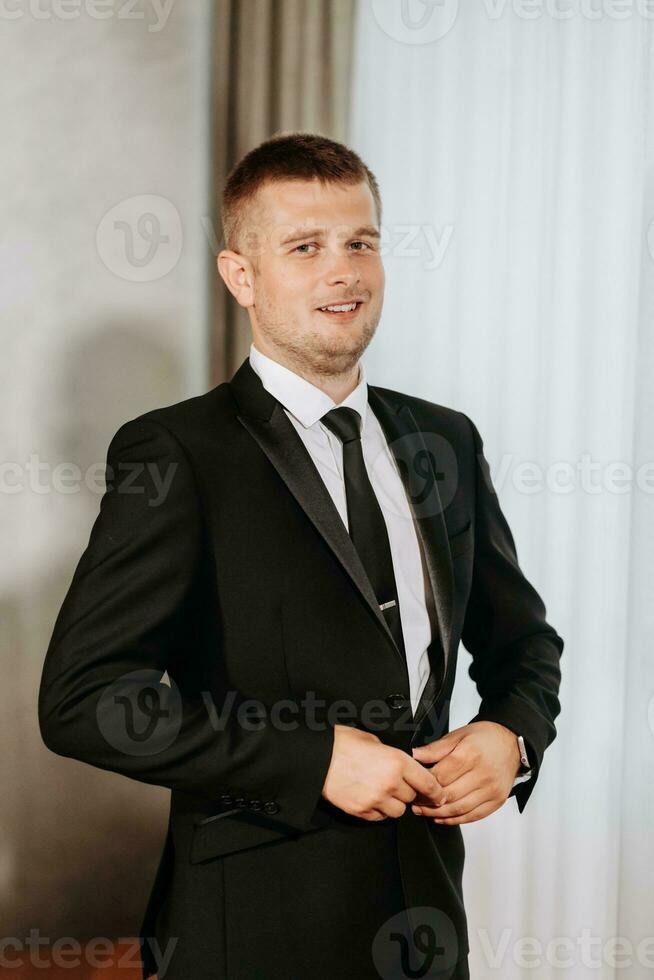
(515,651)
(130,614)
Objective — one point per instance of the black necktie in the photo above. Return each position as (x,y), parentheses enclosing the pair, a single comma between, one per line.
(365,518)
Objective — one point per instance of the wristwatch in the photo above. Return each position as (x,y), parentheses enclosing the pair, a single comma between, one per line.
(524,772)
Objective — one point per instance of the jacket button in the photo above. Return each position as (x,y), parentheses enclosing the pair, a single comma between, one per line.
(240,801)
(227,799)
(396,701)
(255,804)
(271,807)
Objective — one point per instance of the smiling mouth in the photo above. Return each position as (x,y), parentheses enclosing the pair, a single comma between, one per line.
(341,311)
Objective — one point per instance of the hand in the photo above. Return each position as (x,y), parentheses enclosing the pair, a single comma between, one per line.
(371,780)
(476,766)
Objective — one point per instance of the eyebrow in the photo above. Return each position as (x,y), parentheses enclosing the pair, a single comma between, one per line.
(367,231)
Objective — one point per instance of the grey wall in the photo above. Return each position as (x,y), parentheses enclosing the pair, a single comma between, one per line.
(101,319)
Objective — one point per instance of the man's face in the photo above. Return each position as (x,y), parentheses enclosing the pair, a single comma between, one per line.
(312,245)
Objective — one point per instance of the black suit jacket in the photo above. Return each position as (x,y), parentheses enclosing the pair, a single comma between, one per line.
(219,557)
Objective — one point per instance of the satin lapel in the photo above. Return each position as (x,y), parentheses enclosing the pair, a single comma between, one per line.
(419,472)
(266,421)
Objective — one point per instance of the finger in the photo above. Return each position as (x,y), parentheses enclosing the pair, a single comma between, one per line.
(433,797)
(438,749)
(421,779)
(484,810)
(468,783)
(372,815)
(453,767)
(393,807)
(407,793)
(455,808)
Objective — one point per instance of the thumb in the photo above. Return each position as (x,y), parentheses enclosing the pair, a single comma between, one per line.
(435,751)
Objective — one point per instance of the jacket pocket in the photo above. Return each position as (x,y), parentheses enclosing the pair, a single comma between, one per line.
(235,830)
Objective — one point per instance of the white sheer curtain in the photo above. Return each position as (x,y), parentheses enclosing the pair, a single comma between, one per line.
(511,142)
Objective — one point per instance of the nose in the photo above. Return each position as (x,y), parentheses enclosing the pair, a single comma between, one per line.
(342,271)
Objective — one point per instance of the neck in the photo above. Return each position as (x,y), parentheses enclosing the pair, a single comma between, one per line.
(337,386)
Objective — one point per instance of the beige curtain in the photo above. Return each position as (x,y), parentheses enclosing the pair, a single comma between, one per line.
(277,65)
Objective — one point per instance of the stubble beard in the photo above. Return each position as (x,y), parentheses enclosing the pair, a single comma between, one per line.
(311,351)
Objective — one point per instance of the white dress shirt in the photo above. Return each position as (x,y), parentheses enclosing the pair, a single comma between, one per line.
(305,404)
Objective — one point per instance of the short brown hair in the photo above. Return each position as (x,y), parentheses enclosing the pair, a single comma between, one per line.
(290,156)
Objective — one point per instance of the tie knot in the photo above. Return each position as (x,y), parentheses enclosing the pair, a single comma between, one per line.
(343,422)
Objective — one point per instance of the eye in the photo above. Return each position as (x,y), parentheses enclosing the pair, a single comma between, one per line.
(301,249)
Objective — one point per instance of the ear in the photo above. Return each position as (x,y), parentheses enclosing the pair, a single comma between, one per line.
(237,273)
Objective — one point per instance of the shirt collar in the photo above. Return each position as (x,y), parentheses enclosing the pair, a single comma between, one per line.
(302,399)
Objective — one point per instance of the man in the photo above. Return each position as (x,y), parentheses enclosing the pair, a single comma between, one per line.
(301,552)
